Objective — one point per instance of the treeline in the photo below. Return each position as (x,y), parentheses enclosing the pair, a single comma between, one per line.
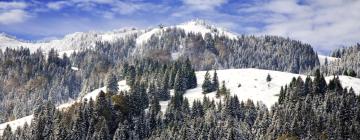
(310,109)
(26,79)
(348,63)
(214,51)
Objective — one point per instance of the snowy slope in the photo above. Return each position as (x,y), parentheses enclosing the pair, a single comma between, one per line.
(329,59)
(70,43)
(80,40)
(193,26)
(253,86)
(20,122)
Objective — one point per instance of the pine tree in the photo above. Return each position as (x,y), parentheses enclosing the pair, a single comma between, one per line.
(224,90)
(192,79)
(179,85)
(178,90)
(121,132)
(153,112)
(345,72)
(218,93)
(319,86)
(112,85)
(281,95)
(103,130)
(7,134)
(215,81)
(131,76)
(164,93)
(268,78)
(352,73)
(207,85)
(59,129)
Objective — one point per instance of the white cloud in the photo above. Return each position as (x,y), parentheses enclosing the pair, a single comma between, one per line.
(323,24)
(12,5)
(126,8)
(13,16)
(12,12)
(204,4)
(58,5)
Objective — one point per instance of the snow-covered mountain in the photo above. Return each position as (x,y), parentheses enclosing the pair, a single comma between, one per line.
(245,83)
(71,42)
(193,26)
(81,40)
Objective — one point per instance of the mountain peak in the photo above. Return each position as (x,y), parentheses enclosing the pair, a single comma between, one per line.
(197,22)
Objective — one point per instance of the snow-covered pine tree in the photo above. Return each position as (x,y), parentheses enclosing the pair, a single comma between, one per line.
(215,81)
(112,86)
(207,86)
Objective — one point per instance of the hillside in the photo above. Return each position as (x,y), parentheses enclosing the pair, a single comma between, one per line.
(70,43)
(253,86)
(206,45)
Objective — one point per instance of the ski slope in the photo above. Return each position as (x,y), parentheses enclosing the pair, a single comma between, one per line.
(253,86)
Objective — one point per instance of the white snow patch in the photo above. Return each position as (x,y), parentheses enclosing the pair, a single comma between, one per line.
(193,26)
(16,123)
(70,43)
(175,55)
(146,36)
(329,59)
(254,85)
(75,68)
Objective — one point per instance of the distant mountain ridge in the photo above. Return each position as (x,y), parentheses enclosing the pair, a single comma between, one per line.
(206,45)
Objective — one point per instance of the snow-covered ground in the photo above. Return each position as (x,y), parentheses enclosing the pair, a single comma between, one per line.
(70,43)
(329,59)
(253,85)
(245,83)
(80,40)
(193,26)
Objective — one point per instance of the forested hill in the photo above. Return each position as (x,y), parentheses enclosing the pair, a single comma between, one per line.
(307,108)
(206,45)
(347,62)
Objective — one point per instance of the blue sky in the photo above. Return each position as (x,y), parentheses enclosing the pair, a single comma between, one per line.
(325,24)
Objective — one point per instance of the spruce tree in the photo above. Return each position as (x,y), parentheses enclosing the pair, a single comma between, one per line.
(121,132)
(224,90)
(112,85)
(352,73)
(215,81)
(268,78)
(207,85)
(319,84)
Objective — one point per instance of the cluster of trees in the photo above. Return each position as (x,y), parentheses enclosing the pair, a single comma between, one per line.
(178,75)
(310,109)
(27,78)
(347,64)
(210,85)
(209,51)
